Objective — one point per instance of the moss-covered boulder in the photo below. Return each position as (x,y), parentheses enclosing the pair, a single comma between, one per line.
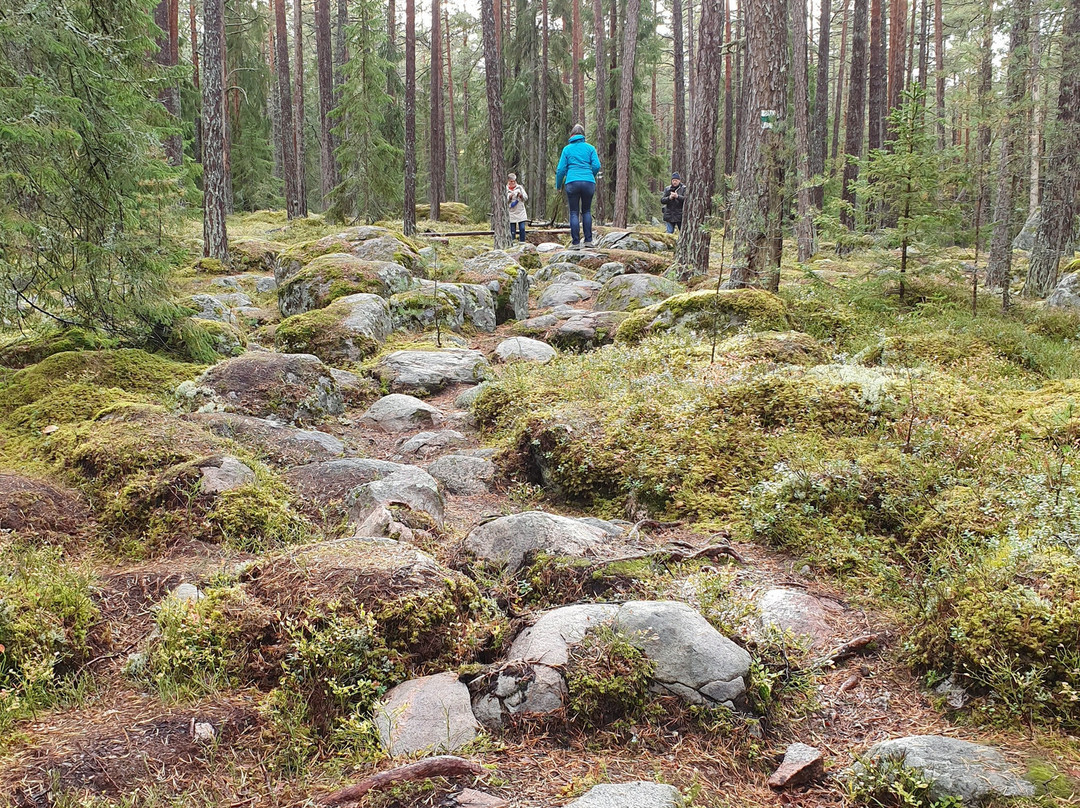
(29,348)
(781,347)
(329,277)
(290,387)
(706,310)
(365,243)
(255,255)
(348,330)
(460,305)
(634,261)
(271,442)
(450,212)
(634,291)
(491,265)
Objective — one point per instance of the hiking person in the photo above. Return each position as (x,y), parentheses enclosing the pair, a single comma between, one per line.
(516,199)
(578,167)
(672,201)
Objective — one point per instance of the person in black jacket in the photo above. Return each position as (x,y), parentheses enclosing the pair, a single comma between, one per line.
(672,199)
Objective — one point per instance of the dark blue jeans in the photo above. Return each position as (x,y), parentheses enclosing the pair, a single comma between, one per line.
(520,228)
(579,194)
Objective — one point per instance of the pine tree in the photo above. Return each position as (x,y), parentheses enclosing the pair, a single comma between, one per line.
(500,214)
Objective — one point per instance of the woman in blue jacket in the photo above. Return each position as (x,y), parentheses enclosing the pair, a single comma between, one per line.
(578,167)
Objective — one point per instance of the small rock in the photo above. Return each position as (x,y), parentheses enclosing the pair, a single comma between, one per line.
(425,444)
(955,695)
(629,795)
(49,429)
(802,764)
(430,714)
(462,474)
(465,399)
(187,593)
(799,613)
(204,733)
(471,798)
(400,413)
(525,349)
(228,476)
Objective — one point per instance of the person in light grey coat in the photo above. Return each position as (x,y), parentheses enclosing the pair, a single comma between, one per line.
(516,199)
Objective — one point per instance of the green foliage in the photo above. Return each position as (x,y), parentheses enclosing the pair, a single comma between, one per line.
(85,196)
(49,626)
(888,783)
(607,682)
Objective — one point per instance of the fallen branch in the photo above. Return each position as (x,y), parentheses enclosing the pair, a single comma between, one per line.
(860,645)
(441,766)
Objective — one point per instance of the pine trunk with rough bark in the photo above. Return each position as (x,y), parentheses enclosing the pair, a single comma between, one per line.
(819,129)
(837,108)
(450,100)
(409,212)
(541,181)
(897,55)
(985,97)
(165,17)
(939,73)
(600,200)
(437,136)
(288,128)
(577,80)
(694,237)
(215,238)
(678,119)
(627,59)
(691,52)
(298,101)
(195,79)
(500,214)
(804,223)
(328,171)
(275,108)
(1058,218)
(391,44)
(759,188)
(729,96)
(1035,136)
(878,81)
(856,108)
(999,264)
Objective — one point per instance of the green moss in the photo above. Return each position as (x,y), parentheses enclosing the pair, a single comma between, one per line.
(608,681)
(320,332)
(211,265)
(705,310)
(300,255)
(331,276)
(785,347)
(30,349)
(256,518)
(1072,266)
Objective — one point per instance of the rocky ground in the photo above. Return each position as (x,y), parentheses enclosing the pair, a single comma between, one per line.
(320,558)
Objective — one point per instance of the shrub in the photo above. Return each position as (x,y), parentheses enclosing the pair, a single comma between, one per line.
(888,783)
(607,682)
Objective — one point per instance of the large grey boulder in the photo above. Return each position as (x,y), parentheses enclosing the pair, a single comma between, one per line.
(509,538)
(524,349)
(432,371)
(629,292)
(406,486)
(1025,239)
(609,270)
(693,660)
(589,329)
(464,475)
(467,397)
(970,771)
(571,256)
(275,443)
(624,241)
(327,278)
(331,480)
(426,444)
(640,794)
(351,328)
(798,613)
(401,413)
(552,271)
(287,387)
(430,714)
(492,265)
(567,289)
(1066,294)
(548,640)
(459,305)
(212,307)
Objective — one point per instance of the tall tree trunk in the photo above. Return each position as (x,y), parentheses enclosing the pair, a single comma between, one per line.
(328,171)
(195,78)
(740,70)
(729,96)
(288,127)
(856,107)
(924,46)
(437,138)
(391,46)
(999,265)
(627,59)
(678,126)
(577,80)
(165,17)
(1035,138)
(215,238)
(275,107)
(897,56)
(819,131)
(691,51)
(298,114)
(600,201)
(759,187)
(939,73)
(985,97)
(837,108)
(540,186)
(878,100)
(910,65)
(804,223)
(1056,224)
(450,98)
(409,213)
(500,215)
(613,91)
(694,236)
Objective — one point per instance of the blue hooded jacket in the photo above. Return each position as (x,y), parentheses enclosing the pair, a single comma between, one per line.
(579,162)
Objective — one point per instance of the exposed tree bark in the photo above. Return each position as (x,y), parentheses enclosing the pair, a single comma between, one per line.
(678,124)
(839,87)
(600,200)
(896,57)
(877,99)
(391,43)
(819,134)
(939,73)
(195,78)
(691,51)
(288,129)
(298,113)
(500,214)
(985,97)
(437,136)
(694,237)
(165,17)
(439,766)
(1059,190)
(215,238)
(275,107)
(924,46)
(577,80)
(328,170)
(540,185)
(729,96)
(999,264)
(856,106)
(1035,138)
(804,223)
(910,66)
(627,60)
(409,213)
(450,98)
(759,188)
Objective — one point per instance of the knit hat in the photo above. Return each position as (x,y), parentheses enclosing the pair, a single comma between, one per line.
(512,177)
(675,175)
